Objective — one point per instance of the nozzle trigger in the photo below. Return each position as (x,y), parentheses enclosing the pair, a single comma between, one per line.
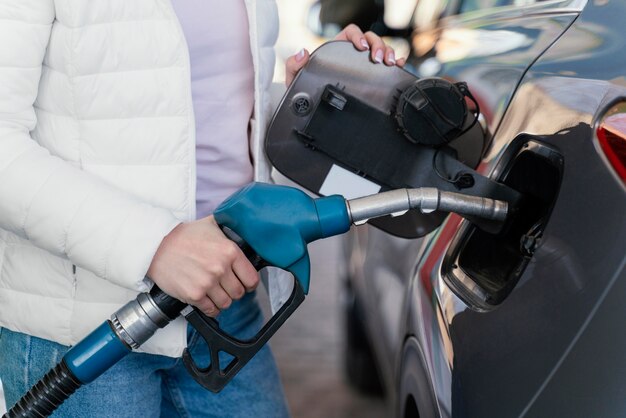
(215,376)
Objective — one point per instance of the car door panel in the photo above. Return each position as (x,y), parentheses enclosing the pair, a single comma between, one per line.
(384,275)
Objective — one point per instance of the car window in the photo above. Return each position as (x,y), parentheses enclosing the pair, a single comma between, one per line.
(473,5)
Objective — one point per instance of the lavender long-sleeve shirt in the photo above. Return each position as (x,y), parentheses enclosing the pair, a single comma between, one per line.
(222,87)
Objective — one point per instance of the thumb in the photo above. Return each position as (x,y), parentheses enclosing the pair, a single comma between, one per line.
(295,64)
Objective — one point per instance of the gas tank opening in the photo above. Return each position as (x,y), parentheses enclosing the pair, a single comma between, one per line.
(484,268)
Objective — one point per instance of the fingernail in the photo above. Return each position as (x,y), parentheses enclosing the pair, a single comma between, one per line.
(391,57)
(364,43)
(300,55)
(379,56)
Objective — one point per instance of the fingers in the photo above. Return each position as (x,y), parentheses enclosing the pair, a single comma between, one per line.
(295,64)
(240,274)
(220,298)
(232,277)
(246,274)
(198,297)
(380,52)
(197,264)
(377,47)
(233,286)
(354,34)
(207,307)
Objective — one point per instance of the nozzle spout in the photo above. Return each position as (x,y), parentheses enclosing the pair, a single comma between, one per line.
(426,199)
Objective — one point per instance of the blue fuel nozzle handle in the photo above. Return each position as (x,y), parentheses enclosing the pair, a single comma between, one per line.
(278,222)
(272,225)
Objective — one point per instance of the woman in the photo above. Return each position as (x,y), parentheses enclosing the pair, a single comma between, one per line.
(122,125)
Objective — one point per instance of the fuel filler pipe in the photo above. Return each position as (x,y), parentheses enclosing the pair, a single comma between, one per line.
(272,225)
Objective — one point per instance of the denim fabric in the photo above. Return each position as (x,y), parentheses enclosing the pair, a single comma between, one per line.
(146,385)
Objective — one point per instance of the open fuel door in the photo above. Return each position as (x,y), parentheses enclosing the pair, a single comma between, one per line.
(352,127)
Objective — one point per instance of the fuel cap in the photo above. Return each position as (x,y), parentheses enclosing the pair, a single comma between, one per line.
(431,111)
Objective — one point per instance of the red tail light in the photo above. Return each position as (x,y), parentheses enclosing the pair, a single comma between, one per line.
(612,137)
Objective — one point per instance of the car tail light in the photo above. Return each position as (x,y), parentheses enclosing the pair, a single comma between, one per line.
(612,138)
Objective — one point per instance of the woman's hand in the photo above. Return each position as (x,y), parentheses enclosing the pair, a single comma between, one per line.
(198,265)
(379,51)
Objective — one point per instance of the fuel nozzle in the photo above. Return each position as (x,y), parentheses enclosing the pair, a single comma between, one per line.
(428,199)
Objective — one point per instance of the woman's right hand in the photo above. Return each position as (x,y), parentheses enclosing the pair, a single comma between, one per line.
(197,264)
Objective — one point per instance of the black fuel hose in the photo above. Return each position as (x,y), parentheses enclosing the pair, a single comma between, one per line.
(74,369)
(47,394)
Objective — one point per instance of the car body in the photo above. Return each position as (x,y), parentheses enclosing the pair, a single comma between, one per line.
(461,324)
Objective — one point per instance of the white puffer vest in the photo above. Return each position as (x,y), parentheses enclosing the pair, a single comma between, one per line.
(97,155)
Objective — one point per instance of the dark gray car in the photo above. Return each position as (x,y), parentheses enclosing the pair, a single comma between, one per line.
(525,323)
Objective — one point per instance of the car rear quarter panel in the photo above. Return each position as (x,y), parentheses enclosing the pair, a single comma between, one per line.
(554,346)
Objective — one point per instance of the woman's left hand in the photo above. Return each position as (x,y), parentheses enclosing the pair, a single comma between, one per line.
(380,52)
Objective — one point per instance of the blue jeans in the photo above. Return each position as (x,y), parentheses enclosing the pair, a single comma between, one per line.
(146,385)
